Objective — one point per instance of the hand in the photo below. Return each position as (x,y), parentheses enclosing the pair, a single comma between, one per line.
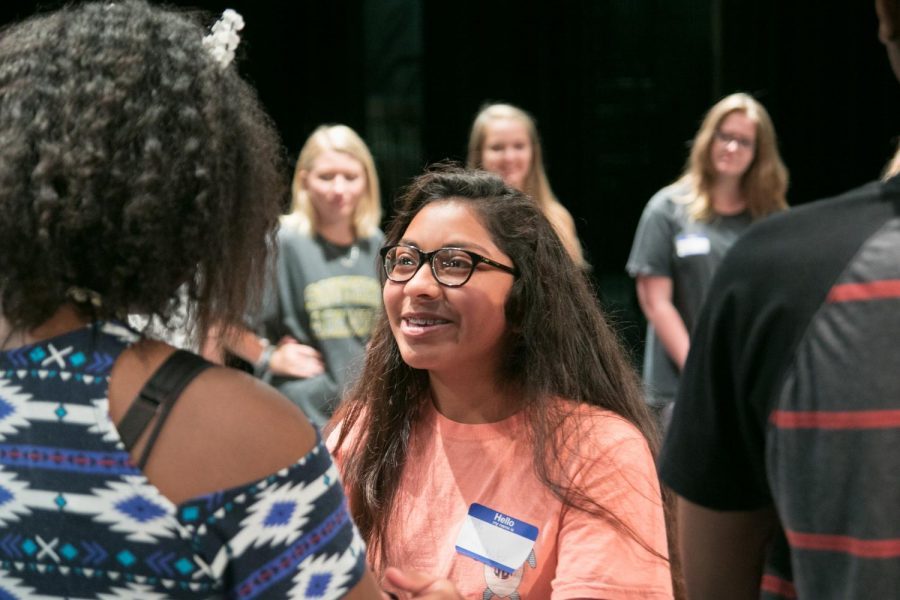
(293,359)
(421,585)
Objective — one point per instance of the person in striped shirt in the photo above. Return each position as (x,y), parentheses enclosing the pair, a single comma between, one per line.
(783,445)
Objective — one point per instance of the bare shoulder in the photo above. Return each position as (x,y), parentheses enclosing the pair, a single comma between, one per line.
(226,429)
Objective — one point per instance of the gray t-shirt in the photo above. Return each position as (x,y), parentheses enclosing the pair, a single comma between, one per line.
(670,243)
(328,297)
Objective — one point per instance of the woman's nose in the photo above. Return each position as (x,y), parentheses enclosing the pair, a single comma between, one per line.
(423,283)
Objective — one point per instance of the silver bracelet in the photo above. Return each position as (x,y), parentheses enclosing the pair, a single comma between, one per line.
(261,367)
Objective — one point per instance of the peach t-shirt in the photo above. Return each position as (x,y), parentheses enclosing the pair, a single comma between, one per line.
(452,465)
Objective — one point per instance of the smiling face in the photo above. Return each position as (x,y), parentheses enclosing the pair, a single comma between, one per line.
(734,145)
(454,331)
(507,151)
(335,182)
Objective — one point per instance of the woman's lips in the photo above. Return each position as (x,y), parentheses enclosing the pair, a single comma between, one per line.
(416,326)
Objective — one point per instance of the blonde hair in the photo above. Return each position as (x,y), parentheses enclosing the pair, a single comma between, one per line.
(893,166)
(536,183)
(338,138)
(766,180)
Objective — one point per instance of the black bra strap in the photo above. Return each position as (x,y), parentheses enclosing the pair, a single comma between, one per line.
(157,397)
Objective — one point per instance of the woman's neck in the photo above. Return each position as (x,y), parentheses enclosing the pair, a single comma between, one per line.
(471,401)
(340,233)
(726,196)
(64,320)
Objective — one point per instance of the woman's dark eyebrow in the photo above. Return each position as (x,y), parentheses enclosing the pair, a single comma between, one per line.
(452,244)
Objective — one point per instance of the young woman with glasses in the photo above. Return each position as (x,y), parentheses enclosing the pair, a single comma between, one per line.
(734,176)
(496,443)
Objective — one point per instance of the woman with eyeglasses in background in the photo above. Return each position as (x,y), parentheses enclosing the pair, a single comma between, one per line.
(734,176)
(496,404)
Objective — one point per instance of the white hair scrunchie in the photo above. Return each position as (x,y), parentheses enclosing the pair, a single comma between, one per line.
(224,39)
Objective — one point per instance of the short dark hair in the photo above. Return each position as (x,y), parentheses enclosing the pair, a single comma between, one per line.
(131,163)
(558,345)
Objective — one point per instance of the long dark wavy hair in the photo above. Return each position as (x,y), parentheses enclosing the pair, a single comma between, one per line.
(131,163)
(558,345)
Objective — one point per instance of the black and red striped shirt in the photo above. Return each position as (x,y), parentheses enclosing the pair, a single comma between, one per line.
(791,394)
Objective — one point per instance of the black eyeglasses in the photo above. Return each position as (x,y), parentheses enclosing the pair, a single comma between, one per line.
(451,267)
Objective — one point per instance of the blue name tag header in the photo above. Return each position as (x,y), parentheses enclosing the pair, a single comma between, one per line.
(503,521)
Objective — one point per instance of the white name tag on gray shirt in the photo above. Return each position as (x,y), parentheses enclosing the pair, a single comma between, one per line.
(691,244)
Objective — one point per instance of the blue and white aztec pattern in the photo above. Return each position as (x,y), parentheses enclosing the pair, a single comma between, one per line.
(79,520)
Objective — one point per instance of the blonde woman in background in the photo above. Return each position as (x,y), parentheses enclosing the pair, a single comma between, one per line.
(326,291)
(504,140)
(734,176)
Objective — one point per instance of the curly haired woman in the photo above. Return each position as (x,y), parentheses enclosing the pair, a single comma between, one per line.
(136,165)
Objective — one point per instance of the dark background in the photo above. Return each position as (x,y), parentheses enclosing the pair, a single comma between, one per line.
(618,88)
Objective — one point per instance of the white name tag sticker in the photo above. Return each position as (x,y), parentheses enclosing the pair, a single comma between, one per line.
(691,244)
(496,539)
